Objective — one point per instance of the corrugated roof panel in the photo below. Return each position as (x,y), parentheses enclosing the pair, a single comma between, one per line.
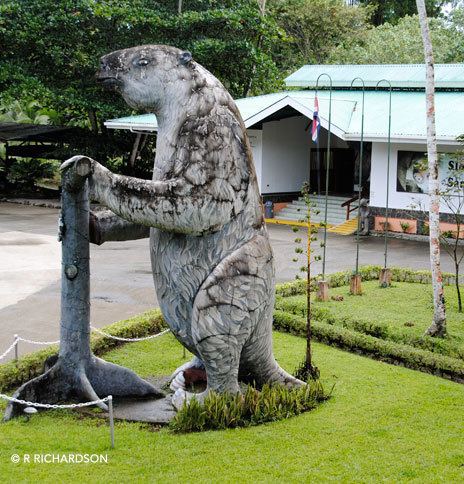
(142,122)
(400,75)
(250,106)
(408,112)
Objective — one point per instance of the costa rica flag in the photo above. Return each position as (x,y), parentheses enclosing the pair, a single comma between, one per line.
(316,126)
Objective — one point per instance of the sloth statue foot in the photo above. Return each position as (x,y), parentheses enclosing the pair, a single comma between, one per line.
(178,379)
(182,397)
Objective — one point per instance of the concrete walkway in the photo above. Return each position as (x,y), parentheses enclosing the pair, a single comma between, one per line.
(121,283)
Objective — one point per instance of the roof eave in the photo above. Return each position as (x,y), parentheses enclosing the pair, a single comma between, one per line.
(131,126)
(413,139)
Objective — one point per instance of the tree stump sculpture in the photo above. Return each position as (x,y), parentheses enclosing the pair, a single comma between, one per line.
(78,374)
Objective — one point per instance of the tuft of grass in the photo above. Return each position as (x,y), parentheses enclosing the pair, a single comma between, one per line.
(271,403)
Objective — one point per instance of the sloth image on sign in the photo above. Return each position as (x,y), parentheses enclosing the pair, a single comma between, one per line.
(211,257)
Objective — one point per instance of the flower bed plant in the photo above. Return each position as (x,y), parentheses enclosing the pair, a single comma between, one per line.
(271,403)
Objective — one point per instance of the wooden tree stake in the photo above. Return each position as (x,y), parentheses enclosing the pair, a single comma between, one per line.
(385,278)
(322,291)
(355,285)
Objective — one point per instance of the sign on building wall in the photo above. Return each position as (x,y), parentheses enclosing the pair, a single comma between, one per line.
(412,174)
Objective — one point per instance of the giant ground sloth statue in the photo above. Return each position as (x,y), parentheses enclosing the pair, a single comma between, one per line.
(211,258)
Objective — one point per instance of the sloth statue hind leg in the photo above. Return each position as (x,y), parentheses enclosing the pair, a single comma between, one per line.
(226,311)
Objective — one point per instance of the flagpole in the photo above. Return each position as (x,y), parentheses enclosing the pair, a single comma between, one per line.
(323,288)
(385,276)
(356,279)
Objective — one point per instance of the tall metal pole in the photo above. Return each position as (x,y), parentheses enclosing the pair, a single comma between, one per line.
(388,168)
(327,169)
(361,156)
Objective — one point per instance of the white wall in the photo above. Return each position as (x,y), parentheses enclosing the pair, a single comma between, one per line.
(256,141)
(400,200)
(285,155)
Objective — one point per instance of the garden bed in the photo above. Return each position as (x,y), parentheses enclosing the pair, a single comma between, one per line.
(384,323)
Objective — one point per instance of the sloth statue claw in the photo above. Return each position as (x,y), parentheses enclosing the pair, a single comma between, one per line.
(211,258)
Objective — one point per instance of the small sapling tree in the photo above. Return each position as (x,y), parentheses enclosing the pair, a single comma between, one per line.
(307,369)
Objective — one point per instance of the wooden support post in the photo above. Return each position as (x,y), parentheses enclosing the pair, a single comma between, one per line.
(322,291)
(385,278)
(355,285)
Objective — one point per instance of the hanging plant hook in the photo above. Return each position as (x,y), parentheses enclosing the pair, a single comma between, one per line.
(361,157)
(385,284)
(327,166)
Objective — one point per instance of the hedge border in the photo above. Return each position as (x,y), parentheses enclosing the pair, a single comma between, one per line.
(375,348)
(370,328)
(368,273)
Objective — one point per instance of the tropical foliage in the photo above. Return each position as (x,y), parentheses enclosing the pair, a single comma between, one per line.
(401,43)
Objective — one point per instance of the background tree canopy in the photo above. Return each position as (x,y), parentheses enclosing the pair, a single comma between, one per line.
(402,44)
(51,48)
(392,11)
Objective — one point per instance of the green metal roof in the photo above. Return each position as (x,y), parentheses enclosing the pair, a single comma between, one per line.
(408,113)
(408,76)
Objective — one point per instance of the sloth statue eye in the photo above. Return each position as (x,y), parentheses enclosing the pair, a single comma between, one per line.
(143,62)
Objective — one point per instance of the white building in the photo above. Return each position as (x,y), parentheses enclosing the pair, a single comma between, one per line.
(279,128)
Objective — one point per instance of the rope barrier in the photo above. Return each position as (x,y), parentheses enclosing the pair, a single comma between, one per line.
(107,335)
(108,399)
(32,342)
(51,405)
(17,339)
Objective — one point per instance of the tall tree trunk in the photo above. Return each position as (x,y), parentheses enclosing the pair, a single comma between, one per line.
(438,326)
(458,289)
(262,10)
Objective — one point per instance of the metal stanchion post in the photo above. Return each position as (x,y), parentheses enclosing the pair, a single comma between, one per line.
(111,416)
(16,346)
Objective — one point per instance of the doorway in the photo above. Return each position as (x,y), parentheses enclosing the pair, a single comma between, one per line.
(341,171)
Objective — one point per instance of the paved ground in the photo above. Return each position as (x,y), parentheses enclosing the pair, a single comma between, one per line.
(121,278)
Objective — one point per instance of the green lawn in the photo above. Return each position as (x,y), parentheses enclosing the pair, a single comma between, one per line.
(402,303)
(384,423)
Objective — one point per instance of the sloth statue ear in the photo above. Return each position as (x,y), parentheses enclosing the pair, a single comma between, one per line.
(185,57)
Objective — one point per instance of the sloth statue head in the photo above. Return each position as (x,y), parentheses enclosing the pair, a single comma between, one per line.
(145,76)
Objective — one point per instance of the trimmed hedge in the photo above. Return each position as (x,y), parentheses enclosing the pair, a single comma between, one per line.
(382,331)
(379,349)
(14,374)
(368,273)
